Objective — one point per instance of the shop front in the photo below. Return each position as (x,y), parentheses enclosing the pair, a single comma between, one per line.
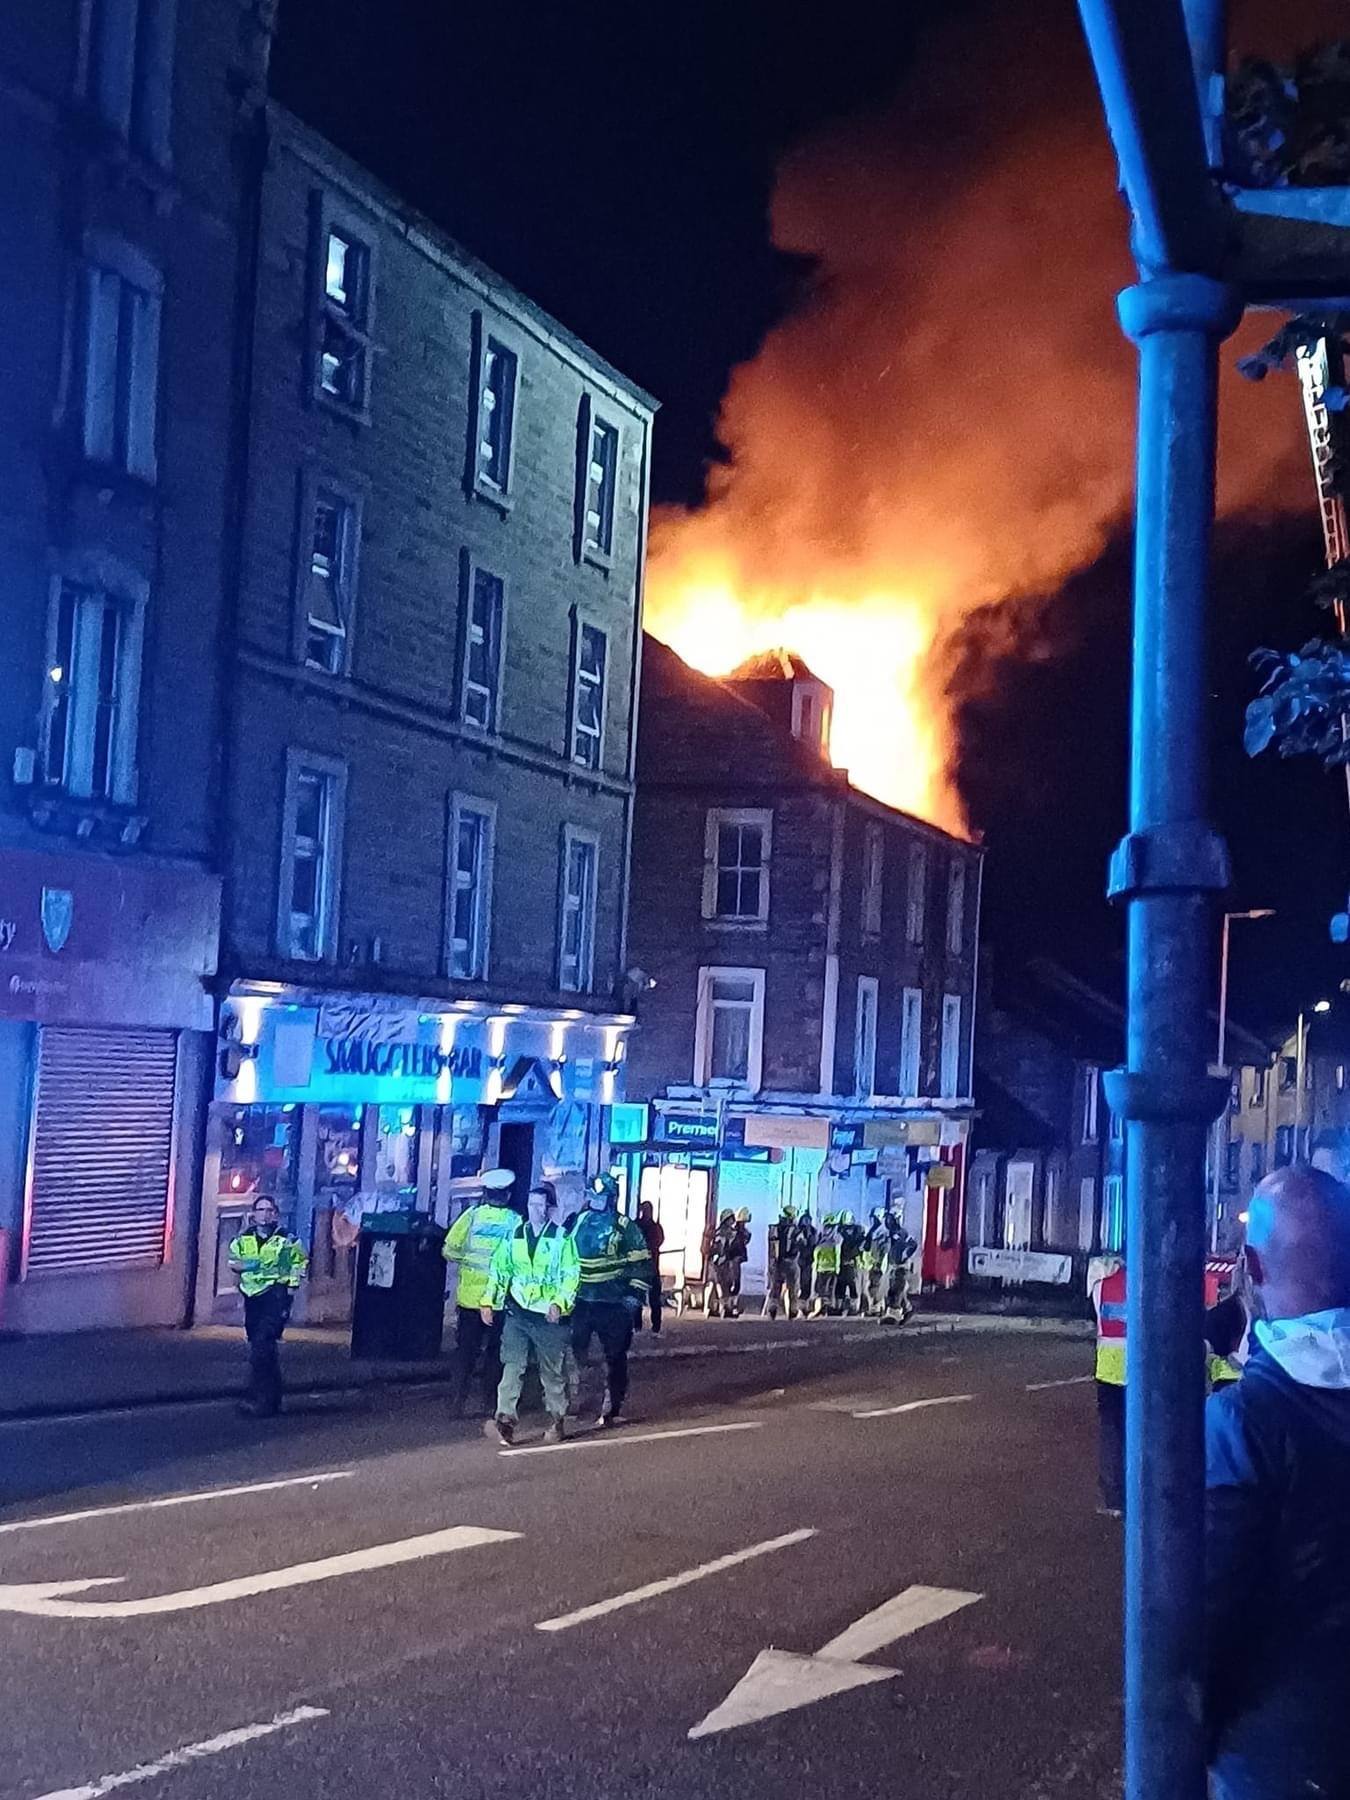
(105,1045)
(694,1162)
(343,1105)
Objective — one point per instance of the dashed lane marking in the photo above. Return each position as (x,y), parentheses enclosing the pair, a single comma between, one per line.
(189,1753)
(889,1412)
(669,1583)
(131,1506)
(1039,1387)
(607,1440)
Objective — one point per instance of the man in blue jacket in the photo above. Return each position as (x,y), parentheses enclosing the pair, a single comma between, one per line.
(1278,1509)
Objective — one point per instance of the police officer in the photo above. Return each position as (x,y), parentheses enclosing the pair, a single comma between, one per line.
(470,1244)
(533,1283)
(615,1270)
(269,1263)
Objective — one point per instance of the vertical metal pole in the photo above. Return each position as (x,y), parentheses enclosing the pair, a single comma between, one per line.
(1166,871)
(1300,1064)
(1217,1140)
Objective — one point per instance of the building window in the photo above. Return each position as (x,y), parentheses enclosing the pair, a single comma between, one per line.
(330,540)
(1232,1161)
(1340,1078)
(811,715)
(956,906)
(1284,1146)
(1088,1121)
(468,901)
(91,715)
(495,416)
(736,848)
(601,488)
(1113,1213)
(345,280)
(865,1037)
(874,851)
(950,1071)
(911,1043)
(729,1030)
(916,893)
(1288,1073)
(1258,1094)
(1258,1163)
(130,70)
(588,695)
(1116,1128)
(311,856)
(484,610)
(119,357)
(576,925)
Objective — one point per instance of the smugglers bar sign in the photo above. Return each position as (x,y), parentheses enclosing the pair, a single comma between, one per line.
(347,1053)
(401,1062)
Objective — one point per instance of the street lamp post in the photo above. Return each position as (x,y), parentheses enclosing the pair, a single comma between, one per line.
(1255,912)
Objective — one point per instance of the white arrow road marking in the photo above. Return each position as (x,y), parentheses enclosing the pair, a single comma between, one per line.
(46,1599)
(778,1681)
(671,1582)
(605,1440)
(889,1412)
(1039,1387)
(188,1753)
(130,1506)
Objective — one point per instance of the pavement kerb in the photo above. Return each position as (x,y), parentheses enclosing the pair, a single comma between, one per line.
(404,1375)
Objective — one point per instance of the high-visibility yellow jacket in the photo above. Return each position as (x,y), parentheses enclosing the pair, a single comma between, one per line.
(1108,1298)
(277,1260)
(616,1264)
(536,1276)
(472,1242)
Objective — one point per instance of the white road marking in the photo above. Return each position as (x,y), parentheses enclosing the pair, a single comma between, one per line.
(131,1506)
(889,1412)
(1039,1387)
(47,1599)
(189,1753)
(605,1440)
(671,1582)
(778,1681)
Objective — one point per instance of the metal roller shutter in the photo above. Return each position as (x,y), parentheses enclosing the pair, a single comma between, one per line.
(102,1149)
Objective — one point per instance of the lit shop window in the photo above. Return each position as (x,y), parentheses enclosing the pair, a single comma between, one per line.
(259,1152)
(337,1149)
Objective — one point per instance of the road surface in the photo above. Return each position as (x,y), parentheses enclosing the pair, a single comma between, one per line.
(870,1569)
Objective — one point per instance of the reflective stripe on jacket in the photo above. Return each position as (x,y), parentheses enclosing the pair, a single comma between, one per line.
(472,1243)
(548,1277)
(1108,1298)
(615,1261)
(1220,1369)
(275,1261)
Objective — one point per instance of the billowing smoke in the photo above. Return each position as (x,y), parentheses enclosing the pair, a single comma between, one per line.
(947,420)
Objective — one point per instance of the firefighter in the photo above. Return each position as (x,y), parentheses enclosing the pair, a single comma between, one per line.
(470,1244)
(785,1265)
(615,1270)
(533,1283)
(807,1238)
(742,1253)
(900,1249)
(1106,1285)
(872,1262)
(825,1266)
(723,1266)
(269,1263)
(851,1236)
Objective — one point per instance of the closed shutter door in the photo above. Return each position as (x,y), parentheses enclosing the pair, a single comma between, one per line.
(102,1149)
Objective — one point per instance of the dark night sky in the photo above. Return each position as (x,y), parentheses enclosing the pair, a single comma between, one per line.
(615,160)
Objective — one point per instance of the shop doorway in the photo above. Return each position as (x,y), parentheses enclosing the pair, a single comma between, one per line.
(515,1151)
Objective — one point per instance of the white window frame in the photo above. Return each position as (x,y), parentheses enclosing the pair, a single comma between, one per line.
(956,906)
(490,337)
(356,322)
(760,817)
(911,1043)
(600,501)
(1113,1212)
(314,485)
(916,894)
(584,981)
(949,1056)
(126,67)
(118,321)
(1260,1076)
(70,694)
(471,569)
(865,1009)
(334,772)
(480,947)
(1089,1119)
(586,748)
(703,1025)
(874,874)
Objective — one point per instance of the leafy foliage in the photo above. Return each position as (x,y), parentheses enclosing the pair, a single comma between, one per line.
(1304,697)
(1290,127)
(1299,333)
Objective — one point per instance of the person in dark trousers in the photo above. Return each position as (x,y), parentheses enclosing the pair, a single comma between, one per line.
(807,1238)
(269,1263)
(470,1244)
(653,1236)
(613,1284)
(723,1252)
(1106,1290)
(1277,1515)
(785,1265)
